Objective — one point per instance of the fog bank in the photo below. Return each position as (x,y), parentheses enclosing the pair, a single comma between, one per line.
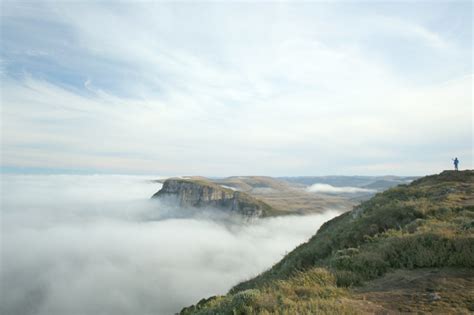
(326,188)
(98,245)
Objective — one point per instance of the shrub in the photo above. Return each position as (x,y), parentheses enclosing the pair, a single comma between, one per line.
(345,278)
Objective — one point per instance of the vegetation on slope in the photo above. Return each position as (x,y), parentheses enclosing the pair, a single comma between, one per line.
(427,224)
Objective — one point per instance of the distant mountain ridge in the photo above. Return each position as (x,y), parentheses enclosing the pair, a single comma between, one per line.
(373,182)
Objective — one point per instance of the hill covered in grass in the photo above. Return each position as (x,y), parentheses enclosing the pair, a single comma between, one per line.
(412,244)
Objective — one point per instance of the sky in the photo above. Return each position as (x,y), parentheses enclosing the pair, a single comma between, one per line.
(236,88)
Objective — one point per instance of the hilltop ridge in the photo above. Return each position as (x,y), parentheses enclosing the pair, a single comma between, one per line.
(408,249)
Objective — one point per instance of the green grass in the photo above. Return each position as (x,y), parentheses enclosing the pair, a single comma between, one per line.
(429,223)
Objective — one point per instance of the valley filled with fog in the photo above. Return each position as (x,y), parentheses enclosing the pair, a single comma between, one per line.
(97,244)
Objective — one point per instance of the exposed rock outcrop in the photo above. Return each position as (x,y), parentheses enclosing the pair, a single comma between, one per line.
(202,193)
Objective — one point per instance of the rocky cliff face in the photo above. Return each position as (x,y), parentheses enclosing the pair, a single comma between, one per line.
(201,193)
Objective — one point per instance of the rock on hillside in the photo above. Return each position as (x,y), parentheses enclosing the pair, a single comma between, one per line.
(201,193)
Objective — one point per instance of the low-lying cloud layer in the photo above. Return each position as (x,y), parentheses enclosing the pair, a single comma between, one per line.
(99,245)
(326,188)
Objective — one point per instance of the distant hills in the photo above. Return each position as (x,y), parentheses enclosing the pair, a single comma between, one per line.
(353,188)
(408,249)
(290,195)
(279,196)
(375,182)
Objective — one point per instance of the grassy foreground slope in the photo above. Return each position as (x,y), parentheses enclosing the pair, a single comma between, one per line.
(421,234)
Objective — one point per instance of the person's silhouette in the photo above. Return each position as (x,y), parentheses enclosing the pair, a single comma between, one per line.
(456,162)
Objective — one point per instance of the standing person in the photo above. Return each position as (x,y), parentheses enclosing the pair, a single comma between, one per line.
(456,162)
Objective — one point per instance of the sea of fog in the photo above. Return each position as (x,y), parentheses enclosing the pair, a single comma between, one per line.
(77,244)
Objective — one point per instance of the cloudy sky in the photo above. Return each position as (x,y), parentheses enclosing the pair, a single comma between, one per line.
(220,89)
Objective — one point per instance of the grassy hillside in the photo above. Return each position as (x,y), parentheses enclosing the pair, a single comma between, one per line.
(423,232)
